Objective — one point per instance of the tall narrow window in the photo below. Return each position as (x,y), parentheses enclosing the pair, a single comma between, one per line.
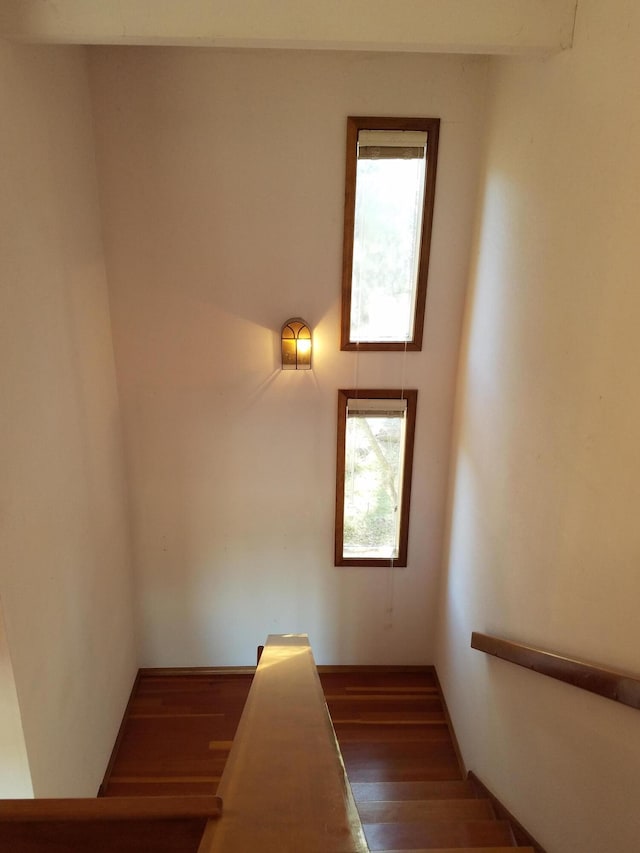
(373,485)
(389,195)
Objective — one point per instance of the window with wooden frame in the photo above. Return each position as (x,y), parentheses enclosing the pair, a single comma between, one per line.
(376,430)
(389,195)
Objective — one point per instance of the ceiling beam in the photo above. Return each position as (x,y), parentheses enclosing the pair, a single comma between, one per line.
(430,26)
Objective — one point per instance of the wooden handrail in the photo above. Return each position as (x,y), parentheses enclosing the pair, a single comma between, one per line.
(111,809)
(106,824)
(618,686)
(284,785)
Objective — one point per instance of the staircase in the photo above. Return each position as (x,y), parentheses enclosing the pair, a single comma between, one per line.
(409,787)
(403,768)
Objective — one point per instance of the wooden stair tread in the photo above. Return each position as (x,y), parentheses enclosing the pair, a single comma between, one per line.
(392,706)
(421,790)
(416,773)
(411,835)
(461,850)
(390,750)
(336,682)
(377,732)
(435,718)
(173,734)
(401,762)
(365,716)
(372,691)
(393,736)
(385,698)
(391,811)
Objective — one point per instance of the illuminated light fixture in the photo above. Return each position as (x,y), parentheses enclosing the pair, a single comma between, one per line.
(296,345)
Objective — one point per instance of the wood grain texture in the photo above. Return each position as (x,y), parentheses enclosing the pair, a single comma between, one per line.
(172,721)
(284,784)
(105,824)
(449,833)
(115,808)
(473,849)
(422,790)
(393,733)
(404,771)
(397,811)
(392,730)
(618,686)
(112,836)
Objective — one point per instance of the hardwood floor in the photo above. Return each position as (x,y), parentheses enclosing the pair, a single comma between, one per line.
(178,734)
(403,768)
(391,727)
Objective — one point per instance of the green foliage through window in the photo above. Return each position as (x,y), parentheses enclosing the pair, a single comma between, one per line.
(375,451)
(372,485)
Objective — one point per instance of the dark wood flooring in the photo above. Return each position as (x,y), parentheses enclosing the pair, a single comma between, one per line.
(392,731)
(177,734)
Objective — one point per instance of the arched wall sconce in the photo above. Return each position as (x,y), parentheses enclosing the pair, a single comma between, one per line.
(296,345)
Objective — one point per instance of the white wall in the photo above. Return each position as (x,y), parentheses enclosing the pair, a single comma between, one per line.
(64,546)
(544,534)
(222,181)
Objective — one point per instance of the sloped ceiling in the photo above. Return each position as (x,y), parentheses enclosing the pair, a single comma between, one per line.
(433,26)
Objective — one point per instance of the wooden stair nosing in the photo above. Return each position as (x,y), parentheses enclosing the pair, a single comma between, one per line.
(349,733)
(365,723)
(432,748)
(446,773)
(459,850)
(418,790)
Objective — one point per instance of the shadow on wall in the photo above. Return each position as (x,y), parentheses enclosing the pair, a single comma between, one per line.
(15,776)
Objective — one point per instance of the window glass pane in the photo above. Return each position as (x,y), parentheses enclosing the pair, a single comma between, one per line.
(390,180)
(376,430)
(374,455)
(386,248)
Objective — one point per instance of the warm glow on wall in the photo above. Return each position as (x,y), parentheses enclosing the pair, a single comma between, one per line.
(296,345)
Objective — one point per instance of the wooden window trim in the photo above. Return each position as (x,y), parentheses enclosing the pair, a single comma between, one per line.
(355,124)
(411,396)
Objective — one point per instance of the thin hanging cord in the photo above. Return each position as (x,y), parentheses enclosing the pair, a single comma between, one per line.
(352,461)
(390,591)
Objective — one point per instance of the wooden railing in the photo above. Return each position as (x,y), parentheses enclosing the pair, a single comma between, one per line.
(104,825)
(618,686)
(284,785)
